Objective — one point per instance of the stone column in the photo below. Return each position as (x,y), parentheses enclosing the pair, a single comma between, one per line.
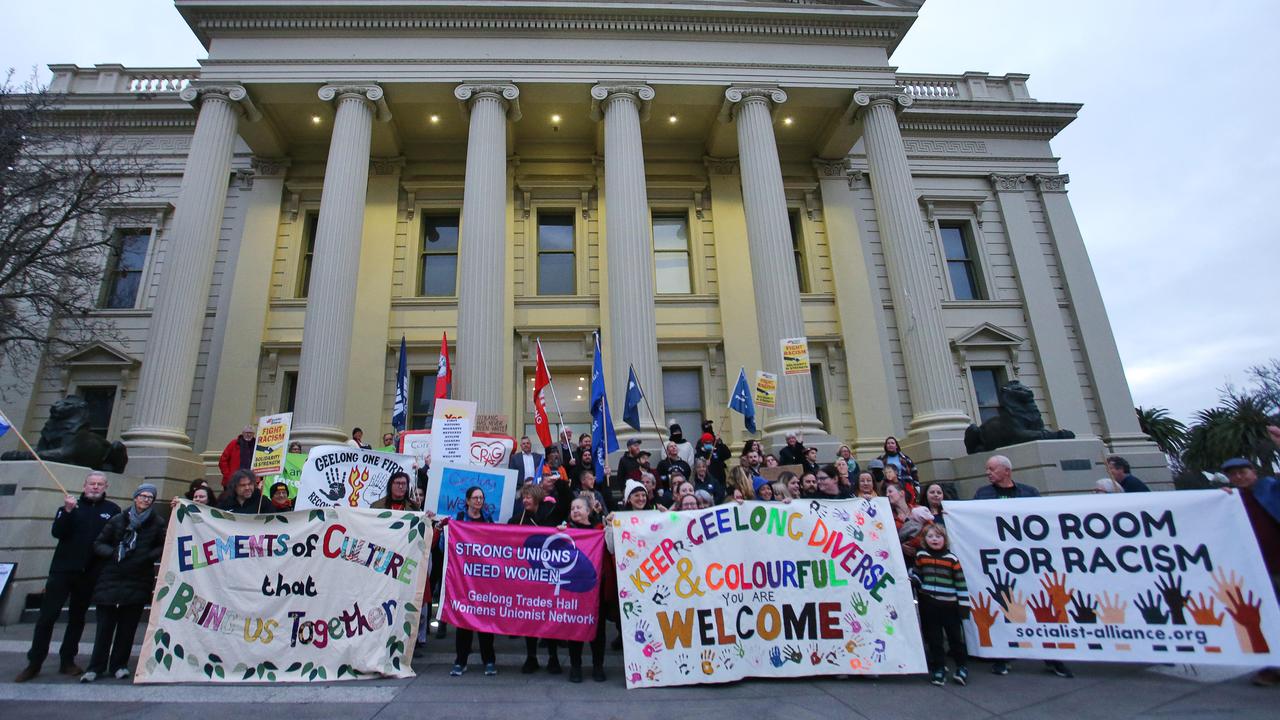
(173,340)
(917,305)
(331,309)
(773,269)
(632,329)
(482,246)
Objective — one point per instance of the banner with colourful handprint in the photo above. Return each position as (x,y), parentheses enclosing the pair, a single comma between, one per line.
(1148,577)
(764,589)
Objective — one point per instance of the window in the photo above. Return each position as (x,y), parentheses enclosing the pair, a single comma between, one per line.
(671,254)
(797,250)
(682,400)
(289,393)
(557,267)
(986,387)
(308,252)
(124,269)
(819,395)
(573,389)
(438,266)
(422,399)
(101,401)
(958,246)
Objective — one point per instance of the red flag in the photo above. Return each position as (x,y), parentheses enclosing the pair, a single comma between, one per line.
(444,372)
(541,379)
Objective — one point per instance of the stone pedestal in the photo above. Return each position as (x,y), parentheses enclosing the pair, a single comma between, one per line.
(1053,467)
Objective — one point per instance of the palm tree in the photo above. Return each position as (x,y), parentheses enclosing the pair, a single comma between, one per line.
(1236,428)
(1168,433)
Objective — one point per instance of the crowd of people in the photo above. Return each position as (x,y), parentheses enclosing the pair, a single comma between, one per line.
(106,556)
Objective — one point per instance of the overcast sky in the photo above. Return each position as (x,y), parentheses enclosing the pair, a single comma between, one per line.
(1174,160)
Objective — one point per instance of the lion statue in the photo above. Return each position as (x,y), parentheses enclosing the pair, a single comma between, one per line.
(66,438)
(1019,421)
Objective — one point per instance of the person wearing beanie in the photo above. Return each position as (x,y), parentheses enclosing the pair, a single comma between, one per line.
(636,496)
(714,451)
(130,544)
(280,501)
(683,446)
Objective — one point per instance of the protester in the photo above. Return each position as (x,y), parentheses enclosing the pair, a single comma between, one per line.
(893,477)
(629,464)
(1118,469)
(910,524)
(764,491)
(792,483)
(130,544)
(280,501)
(808,485)
(827,486)
(683,446)
(810,461)
(771,461)
(1261,498)
(357,440)
(705,500)
(844,453)
(581,517)
(704,480)
(843,478)
(793,453)
(245,498)
(944,604)
(596,500)
(388,443)
(295,448)
(525,462)
(894,456)
(1107,485)
(933,497)
(636,497)
(780,491)
(714,451)
(237,455)
(543,510)
(72,575)
(740,485)
(673,462)
(866,486)
(195,485)
(474,512)
(397,497)
(553,465)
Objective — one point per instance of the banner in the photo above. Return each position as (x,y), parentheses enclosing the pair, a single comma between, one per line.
(451,429)
(764,589)
(521,580)
(766,389)
(1166,577)
(329,594)
(486,448)
(795,356)
(343,476)
(291,475)
(447,485)
(272,441)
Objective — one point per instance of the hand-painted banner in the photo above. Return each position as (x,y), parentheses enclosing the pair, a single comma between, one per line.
(486,449)
(1171,577)
(520,580)
(330,594)
(764,589)
(270,444)
(343,476)
(447,485)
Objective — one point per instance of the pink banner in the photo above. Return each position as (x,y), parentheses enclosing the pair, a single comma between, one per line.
(522,580)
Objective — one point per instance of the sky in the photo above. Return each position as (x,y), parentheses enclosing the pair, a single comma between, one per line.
(1173,161)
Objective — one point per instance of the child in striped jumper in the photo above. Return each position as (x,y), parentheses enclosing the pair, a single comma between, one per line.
(944,603)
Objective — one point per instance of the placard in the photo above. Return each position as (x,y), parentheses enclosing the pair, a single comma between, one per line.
(448,482)
(1165,577)
(766,389)
(452,425)
(271,443)
(764,589)
(486,448)
(343,476)
(491,423)
(330,594)
(795,356)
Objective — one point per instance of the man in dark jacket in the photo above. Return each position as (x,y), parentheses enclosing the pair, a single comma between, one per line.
(72,575)
(1118,469)
(793,453)
(714,451)
(673,462)
(245,498)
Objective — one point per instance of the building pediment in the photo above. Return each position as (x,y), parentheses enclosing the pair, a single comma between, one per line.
(100,355)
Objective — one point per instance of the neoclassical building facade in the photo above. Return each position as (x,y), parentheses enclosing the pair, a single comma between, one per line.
(695,180)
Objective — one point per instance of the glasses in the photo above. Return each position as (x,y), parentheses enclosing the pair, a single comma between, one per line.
(144,496)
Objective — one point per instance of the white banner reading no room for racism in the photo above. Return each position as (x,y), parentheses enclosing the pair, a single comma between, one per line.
(1170,577)
(325,594)
(764,589)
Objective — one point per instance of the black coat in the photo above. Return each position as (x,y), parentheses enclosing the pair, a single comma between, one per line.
(76,531)
(131,580)
(254,505)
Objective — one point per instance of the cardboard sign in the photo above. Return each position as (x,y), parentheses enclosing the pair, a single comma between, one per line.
(451,428)
(271,443)
(492,424)
(795,356)
(766,389)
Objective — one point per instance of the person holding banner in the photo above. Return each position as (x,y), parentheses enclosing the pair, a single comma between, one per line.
(1261,498)
(866,486)
(130,544)
(581,517)
(245,498)
(280,501)
(542,510)
(473,512)
(397,497)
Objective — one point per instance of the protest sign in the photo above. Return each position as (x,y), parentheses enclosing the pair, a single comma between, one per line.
(764,589)
(795,356)
(766,389)
(271,443)
(1170,577)
(486,448)
(343,476)
(448,482)
(291,475)
(493,424)
(451,428)
(330,594)
(521,580)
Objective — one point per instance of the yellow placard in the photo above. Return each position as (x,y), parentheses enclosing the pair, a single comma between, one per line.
(795,356)
(766,389)
(272,441)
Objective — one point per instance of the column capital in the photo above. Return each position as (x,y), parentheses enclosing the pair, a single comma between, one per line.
(895,97)
(831,168)
(507,93)
(371,93)
(1007,183)
(235,95)
(604,93)
(738,95)
(721,165)
(386,165)
(1051,183)
(269,167)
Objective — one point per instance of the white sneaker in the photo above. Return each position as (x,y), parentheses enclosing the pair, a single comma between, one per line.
(122,674)
(89,677)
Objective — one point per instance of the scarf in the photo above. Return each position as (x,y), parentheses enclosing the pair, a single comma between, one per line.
(129,541)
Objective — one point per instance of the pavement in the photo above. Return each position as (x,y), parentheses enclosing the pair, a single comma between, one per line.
(1098,691)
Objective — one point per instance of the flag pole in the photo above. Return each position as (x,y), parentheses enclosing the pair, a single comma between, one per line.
(38,459)
(552,385)
(644,396)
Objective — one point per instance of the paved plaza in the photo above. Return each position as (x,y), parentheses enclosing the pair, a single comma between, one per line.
(1098,691)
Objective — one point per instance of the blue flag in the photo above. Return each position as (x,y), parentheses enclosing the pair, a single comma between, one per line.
(400,411)
(603,439)
(741,401)
(631,409)
(4,424)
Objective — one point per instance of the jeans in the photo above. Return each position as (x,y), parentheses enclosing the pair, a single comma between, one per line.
(462,646)
(61,586)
